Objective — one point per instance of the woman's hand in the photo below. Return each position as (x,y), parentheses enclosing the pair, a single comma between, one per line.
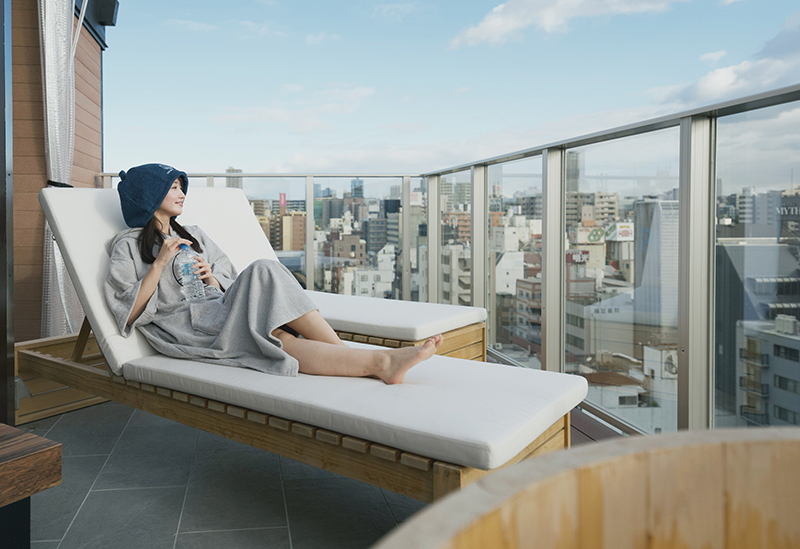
(203,270)
(169,248)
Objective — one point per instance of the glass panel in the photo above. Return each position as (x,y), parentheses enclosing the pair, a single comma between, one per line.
(455,271)
(514,270)
(359,236)
(279,204)
(621,311)
(757,362)
(419,239)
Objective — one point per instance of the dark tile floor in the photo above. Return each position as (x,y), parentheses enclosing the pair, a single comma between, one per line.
(135,480)
(131,479)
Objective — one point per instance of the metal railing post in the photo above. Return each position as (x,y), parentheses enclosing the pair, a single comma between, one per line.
(696,273)
(478,236)
(210,181)
(405,277)
(310,226)
(553,229)
(434,238)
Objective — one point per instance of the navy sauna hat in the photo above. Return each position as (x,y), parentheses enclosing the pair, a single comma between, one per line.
(143,188)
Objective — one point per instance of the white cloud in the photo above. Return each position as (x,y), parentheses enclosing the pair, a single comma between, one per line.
(293,88)
(190,25)
(317,39)
(506,20)
(775,66)
(399,11)
(310,112)
(253,29)
(713,56)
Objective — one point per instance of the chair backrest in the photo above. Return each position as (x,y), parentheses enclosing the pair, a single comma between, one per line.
(84,220)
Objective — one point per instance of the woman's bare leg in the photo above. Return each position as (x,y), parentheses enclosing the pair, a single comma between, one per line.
(312,326)
(389,365)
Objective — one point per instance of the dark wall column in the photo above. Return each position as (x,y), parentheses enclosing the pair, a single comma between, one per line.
(7,230)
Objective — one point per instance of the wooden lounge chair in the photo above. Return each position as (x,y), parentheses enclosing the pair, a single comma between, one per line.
(451,421)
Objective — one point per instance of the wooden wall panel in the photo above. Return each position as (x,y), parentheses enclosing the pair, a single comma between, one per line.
(30,168)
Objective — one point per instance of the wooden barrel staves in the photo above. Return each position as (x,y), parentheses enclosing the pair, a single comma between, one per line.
(711,490)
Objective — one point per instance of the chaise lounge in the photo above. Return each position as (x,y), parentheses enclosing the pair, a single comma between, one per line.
(451,422)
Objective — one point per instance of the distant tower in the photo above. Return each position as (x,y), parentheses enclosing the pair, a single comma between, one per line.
(234,182)
(575,169)
(357,188)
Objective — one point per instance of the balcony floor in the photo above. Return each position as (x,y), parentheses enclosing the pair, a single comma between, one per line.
(131,479)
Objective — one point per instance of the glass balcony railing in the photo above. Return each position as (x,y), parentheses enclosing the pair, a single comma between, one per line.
(660,260)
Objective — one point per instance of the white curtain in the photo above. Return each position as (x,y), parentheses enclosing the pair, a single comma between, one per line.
(61,310)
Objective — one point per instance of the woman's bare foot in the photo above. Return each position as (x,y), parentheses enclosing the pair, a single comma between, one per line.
(400,361)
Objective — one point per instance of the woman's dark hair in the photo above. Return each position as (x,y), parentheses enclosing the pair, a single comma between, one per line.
(151,235)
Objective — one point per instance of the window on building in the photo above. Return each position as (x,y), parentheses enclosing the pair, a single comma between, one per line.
(786,352)
(629,400)
(377,278)
(789,416)
(364,278)
(787,384)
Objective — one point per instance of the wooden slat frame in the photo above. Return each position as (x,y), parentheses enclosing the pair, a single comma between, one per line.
(415,476)
(467,342)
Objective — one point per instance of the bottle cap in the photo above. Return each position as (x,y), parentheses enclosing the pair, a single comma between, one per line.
(184,247)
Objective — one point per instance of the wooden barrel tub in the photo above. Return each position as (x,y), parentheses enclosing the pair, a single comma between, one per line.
(712,489)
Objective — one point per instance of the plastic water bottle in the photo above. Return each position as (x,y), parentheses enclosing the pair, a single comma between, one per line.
(192,287)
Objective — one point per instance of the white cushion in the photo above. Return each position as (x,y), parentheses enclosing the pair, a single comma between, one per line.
(404,320)
(460,411)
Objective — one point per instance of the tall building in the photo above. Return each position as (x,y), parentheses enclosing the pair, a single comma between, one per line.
(357,188)
(375,234)
(656,263)
(332,208)
(233,182)
(291,206)
(768,359)
(575,171)
(294,231)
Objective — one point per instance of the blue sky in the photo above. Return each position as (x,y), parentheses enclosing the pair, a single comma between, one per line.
(410,87)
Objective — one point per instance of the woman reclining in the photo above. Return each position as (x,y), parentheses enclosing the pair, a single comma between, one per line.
(260,319)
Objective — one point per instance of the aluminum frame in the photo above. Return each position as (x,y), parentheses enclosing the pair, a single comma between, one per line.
(553,251)
(405,276)
(696,273)
(478,236)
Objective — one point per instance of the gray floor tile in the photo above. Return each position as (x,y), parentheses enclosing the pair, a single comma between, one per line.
(127,519)
(334,513)
(45,544)
(271,538)
(294,470)
(91,431)
(233,489)
(402,507)
(52,510)
(150,456)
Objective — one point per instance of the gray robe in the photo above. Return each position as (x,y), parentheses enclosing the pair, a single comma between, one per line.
(231,328)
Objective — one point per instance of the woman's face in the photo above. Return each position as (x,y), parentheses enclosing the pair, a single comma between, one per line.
(173,202)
